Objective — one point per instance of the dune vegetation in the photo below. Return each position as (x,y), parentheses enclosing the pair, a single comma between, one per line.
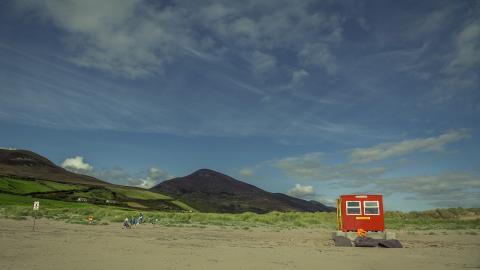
(59,201)
(20,207)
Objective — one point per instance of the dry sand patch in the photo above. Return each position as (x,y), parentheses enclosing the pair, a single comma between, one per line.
(58,245)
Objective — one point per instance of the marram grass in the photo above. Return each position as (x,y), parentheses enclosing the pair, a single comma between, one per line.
(20,207)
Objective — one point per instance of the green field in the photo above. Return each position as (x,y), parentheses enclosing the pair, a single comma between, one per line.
(183,205)
(19,186)
(102,194)
(20,207)
(107,195)
(139,194)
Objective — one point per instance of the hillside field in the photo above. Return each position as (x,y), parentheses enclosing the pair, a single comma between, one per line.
(109,195)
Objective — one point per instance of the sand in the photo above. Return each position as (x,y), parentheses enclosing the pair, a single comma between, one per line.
(58,245)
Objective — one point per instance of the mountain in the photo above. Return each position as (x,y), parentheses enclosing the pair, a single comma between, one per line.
(27,164)
(24,173)
(210,191)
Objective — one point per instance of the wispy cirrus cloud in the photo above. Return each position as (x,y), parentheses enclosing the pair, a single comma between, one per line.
(60,97)
(318,54)
(390,150)
(109,36)
(136,38)
(286,61)
(315,166)
(467,53)
(452,189)
(446,189)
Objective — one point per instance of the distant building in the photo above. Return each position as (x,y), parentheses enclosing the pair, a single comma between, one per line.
(111,202)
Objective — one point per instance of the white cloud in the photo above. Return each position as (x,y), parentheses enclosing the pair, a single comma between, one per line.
(246,172)
(302,192)
(313,166)
(267,24)
(304,166)
(262,63)
(76,164)
(467,54)
(318,54)
(125,37)
(153,177)
(144,179)
(306,192)
(136,38)
(389,150)
(298,76)
(244,27)
(428,24)
(454,189)
(449,189)
(118,175)
(214,12)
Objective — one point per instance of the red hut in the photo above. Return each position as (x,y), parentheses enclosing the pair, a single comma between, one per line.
(360,212)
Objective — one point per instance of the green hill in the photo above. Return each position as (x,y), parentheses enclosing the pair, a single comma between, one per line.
(26,173)
(111,195)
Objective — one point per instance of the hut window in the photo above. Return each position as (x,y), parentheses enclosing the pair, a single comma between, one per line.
(353,208)
(371,207)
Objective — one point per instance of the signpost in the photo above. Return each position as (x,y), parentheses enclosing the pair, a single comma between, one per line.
(36,206)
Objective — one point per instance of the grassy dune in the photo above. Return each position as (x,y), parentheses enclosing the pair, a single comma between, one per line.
(451,218)
(15,204)
(20,207)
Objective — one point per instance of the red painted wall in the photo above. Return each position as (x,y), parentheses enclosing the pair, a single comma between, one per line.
(363,212)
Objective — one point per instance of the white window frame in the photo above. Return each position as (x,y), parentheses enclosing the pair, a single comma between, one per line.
(365,207)
(359,207)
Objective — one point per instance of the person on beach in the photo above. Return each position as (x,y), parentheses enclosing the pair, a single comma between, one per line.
(126,225)
(134,221)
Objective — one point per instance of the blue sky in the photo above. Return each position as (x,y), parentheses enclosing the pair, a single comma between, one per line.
(309,98)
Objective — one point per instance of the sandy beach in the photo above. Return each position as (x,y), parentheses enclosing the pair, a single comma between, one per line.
(58,245)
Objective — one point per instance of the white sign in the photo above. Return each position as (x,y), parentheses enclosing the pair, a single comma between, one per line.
(36,205)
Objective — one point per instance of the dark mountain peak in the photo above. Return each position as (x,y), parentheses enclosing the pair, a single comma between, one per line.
(210,191)
(207,173)
(206,181)
(23,158)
